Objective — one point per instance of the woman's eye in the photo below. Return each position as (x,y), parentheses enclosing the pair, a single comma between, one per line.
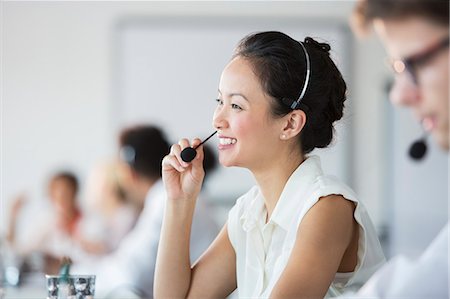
(219,101)
(234,106)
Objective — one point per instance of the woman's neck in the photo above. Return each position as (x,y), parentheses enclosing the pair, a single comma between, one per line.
(273,179)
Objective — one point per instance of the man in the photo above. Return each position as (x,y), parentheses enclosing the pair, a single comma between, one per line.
(128,271)
(415,34)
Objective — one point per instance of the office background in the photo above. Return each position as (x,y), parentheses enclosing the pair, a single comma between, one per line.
(73,73)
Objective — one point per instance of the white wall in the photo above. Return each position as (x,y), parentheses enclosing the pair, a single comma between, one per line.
(57,79)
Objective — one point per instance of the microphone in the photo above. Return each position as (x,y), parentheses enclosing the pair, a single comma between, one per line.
(418,149)
(189,153)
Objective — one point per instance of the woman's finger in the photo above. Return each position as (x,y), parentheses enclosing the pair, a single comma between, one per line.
(175,149)
(195,142)
(171,162)
(184,143)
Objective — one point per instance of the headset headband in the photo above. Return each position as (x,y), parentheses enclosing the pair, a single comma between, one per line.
(308,72)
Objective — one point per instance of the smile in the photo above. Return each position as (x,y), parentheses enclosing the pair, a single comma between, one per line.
(227,141)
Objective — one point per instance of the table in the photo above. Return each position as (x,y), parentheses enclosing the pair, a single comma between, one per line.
(33,286)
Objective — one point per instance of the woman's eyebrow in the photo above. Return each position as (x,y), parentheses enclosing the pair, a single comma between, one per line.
(234,94)
(238,95)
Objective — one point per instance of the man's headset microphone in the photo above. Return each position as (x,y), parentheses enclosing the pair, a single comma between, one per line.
(418,149)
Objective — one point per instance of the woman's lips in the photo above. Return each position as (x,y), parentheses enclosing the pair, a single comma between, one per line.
(227,140)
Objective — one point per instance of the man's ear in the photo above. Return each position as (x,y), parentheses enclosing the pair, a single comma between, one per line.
(293,124)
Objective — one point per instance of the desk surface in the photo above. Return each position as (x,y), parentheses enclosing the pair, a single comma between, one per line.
(25,293)
(33,286)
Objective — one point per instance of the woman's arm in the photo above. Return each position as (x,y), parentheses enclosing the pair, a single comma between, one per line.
(323,237)
(214,273)
(173,268)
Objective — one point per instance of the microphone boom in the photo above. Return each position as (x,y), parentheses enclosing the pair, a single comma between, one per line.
(189,153)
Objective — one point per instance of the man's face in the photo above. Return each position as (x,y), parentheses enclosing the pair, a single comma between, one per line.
(421,44)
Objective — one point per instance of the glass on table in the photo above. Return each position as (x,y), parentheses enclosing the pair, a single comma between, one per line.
(70,287)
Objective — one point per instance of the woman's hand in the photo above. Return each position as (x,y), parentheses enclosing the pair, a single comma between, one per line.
(183,180)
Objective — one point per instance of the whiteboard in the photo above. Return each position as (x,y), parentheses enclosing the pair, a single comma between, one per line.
(168,70)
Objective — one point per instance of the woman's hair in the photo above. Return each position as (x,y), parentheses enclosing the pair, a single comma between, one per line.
(280,63)
(367,10)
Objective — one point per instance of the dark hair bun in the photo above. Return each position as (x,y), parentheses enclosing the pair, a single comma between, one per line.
(321,46)
(325,97)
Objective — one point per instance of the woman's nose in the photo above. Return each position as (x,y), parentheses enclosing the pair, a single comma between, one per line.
(219,119)
(404,92)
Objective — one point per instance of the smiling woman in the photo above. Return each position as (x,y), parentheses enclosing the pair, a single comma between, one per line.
(298,233)
(147,77)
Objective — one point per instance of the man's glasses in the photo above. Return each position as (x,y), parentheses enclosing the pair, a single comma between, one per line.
(413,63)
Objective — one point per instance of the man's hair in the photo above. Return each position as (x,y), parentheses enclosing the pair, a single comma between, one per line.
(209,160)
(366,11)
(145,148)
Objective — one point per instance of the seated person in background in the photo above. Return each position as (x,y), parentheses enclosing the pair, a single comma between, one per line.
(130,268)
(210,164)
(54,238)
(109,214)
(298,233)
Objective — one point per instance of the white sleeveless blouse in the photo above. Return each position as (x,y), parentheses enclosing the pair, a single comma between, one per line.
(262,249)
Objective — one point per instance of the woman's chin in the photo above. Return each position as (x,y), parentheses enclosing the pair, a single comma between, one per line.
(226,162)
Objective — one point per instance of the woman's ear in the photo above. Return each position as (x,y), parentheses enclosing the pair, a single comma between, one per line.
(293,124)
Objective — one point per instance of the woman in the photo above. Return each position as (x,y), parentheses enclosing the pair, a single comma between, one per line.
(298,233)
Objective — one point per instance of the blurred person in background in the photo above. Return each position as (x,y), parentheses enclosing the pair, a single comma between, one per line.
(415,34)
(109,214)
(55,236)
(128,271)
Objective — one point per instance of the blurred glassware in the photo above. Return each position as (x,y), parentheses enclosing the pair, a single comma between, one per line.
(70,287)
(11,265)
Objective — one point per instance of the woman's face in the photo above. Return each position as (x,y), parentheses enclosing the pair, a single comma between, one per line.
(249,136)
